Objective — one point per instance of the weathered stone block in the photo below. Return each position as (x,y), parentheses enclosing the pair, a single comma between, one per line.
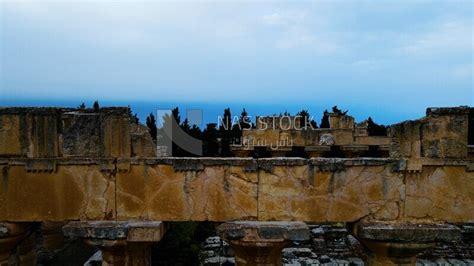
(82,135)
(142,143)
(440,193)
(132,231)
(408,232)
(288,193)
(10,135)
(216,193)
(71,192)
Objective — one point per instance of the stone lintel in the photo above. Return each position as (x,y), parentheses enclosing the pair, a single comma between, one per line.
(352,161)
(198,164)
(407,232)
(267,164)
(193,163)
(131,231)
(254,231)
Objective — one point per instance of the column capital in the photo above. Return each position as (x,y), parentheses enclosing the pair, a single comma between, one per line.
(399,243)
(16,239)
(260,243)
(121,242)
(132,231)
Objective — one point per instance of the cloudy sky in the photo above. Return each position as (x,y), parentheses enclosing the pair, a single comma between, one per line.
(397,56)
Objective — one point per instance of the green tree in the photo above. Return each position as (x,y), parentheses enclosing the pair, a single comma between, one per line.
(96,106)
(375,129)
(176,115)
(325,120)
(195,132)
(226,133)
(306,117)
(185,126)
(338,111)
(210,142)
(151,124)
(244,120)
(133,118)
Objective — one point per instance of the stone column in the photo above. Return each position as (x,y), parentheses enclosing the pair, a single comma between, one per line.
(17,244)
(122,252)
(260,243)
(399,244)
(121,242)
(52,240)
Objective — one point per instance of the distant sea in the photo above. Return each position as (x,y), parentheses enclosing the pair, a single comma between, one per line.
(211,111)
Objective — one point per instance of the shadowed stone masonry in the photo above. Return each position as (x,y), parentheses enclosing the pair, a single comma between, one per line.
(17,244)
(399,244)
(121,243)
(260,243)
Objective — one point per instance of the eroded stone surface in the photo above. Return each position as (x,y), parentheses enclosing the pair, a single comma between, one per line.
(159,192)
(401,243)
(440,193)
(280,190)
(71,192)
(299,193)
(260,243)
(264,231)
(411,233)
(132,231)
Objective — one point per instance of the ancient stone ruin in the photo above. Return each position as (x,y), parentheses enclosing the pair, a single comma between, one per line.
(95,175)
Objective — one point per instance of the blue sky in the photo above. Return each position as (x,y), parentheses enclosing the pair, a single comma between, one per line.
(388,59)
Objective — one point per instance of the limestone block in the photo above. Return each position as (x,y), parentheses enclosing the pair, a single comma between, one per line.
(116,136)
(158,192)
(405,141)
(445,136)
(440,193)
(10,135)
(132,231)
(142,143)
(81,135)
(296,193)
(71,192)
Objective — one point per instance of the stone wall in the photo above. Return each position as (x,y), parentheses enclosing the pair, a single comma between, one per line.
(179,189)
(71,133)
(443,133)
(66,164)
(99,169)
